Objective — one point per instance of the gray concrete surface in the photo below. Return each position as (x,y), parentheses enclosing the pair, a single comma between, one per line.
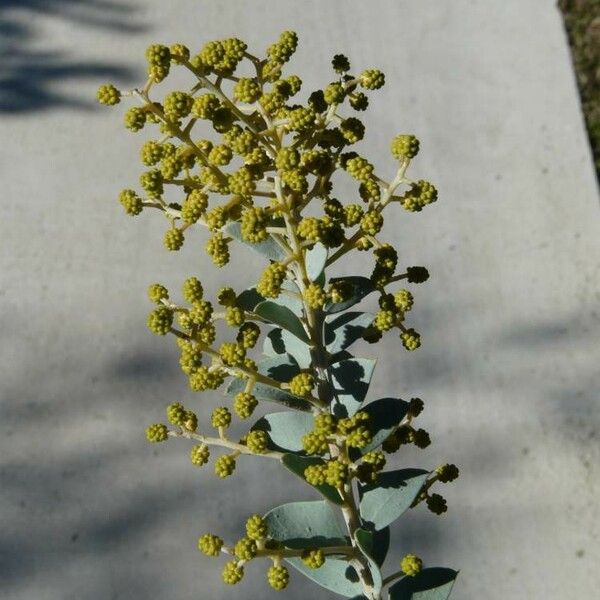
(509,318)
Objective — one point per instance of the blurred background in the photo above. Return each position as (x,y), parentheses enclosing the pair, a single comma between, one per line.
(509,318)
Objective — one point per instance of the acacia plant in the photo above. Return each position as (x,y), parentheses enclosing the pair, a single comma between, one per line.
(238,155)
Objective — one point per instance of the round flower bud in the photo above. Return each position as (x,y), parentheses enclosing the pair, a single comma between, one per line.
(199,454)
(192,290)
(205,106)
(316,474)
(420,438)
(157,54)
(217,248)
(287,158)
(256,528)
(325,423)
(160,320)
(313,558)
(334,93)
(135,118)
(108,94)
(315,442)
(151,153)
(177,105)
(403,300)
(404,146)
(384,320)
(241,182)
(245,549)
(176,413)
(447,473)
(417,274)
(340,291)
(315,296)
(359,168)
(221,417)
(301,119)
(194,206)
(232,572)
(337,473)
(415,406)
(234,316)
(157,433)
(210,544)
(352,130)
(254,224)
(372,79)
(131,202)
(359,438)
(358,101)
(340,63)
(173,239)
(411,565)
(220,155)
(411,340)
(224,465)
(179,53)
(302,384)
(201,312)
(278,577)
(271,280)
(372,222)
(244,404)
(375,458)
(257,441)
(152,182)
(232,354)
(436,504)
(247,90)
(248,335)
(157,293)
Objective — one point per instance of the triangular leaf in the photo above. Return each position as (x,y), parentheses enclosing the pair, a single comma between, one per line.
(430,584)
(297,464)
(288,298)
(268,248)
(280,341)
(281,368)
(376,544)
(350,379)
(286,429)
(343,330)
(314,524)
(316,258)
(383,502)
(282,316)
(361,287)
(271,394)
(384,416)
(335,575)
(248,299)
(364,539)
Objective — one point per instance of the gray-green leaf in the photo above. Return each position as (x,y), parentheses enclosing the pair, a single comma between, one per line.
(314,524)
(282,316)
(316,258)
(280,341)
(343,330)
(364,540)
(281,368)
(350,379)
(286,429)
(335,575)
(383,502)
(430,584)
